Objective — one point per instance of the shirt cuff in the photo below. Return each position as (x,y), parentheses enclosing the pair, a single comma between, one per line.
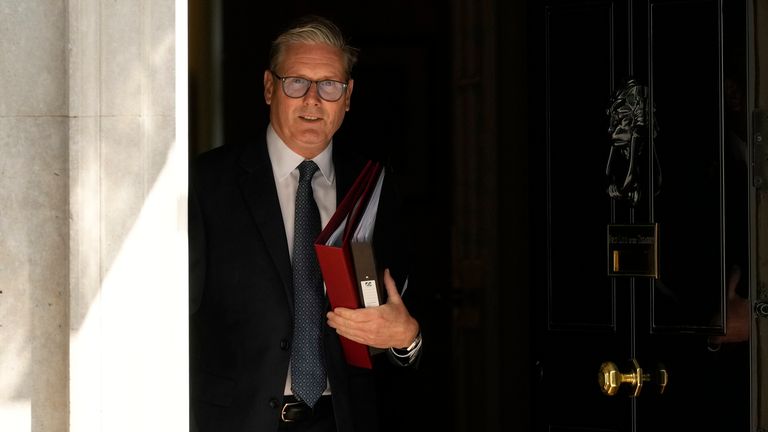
(406,356)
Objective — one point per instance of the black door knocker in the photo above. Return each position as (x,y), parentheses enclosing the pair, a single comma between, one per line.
(630,117)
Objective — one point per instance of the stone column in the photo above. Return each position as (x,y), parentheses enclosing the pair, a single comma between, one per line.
(34,249)
(93,265)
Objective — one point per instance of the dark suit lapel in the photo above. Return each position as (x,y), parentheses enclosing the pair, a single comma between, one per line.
(347,169)
(258,185)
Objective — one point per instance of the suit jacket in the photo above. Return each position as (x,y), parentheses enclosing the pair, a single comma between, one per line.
(241,295)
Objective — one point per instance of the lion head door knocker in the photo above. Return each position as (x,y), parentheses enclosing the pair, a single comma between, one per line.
(630,118)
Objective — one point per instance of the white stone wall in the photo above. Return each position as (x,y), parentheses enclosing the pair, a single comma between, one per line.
(34,247)
(93,302)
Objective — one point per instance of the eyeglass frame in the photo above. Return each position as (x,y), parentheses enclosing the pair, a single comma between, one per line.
(344,86)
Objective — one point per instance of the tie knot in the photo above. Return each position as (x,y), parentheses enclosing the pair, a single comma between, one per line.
(307,169)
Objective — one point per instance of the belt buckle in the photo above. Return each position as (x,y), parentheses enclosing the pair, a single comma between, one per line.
(285,406)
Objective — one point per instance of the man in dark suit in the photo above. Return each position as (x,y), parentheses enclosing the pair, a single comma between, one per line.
(264,349)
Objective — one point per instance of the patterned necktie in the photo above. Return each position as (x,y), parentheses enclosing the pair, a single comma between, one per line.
(307,362)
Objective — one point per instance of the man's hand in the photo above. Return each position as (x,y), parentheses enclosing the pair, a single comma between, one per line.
(386,326)
(737,318)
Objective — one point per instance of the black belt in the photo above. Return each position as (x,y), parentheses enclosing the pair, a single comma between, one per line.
(295,410)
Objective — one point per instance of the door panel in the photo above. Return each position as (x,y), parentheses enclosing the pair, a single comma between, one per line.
(694,184)
(579,58)
(685,86)
(577,302)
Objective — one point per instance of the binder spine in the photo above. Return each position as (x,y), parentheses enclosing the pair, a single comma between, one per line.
(369,281)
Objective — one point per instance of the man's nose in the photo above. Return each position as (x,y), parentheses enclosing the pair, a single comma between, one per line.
(312,97)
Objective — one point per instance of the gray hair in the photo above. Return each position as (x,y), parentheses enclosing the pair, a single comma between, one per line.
(313,29)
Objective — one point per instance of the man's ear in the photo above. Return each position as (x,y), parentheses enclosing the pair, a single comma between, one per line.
(269,82)
(348,95)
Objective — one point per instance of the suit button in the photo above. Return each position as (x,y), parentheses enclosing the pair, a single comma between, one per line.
(284,344)
(273,403)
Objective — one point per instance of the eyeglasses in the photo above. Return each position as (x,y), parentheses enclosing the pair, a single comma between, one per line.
(297,87)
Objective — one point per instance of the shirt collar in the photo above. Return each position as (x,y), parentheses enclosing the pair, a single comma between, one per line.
(284,160)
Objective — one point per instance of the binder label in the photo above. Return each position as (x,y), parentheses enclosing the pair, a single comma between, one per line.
(370,294)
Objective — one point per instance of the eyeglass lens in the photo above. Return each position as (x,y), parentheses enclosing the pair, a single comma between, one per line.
(328,90)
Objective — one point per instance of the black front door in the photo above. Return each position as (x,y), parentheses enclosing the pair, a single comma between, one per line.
(669,152)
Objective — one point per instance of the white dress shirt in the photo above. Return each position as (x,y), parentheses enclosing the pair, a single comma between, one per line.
(285,169)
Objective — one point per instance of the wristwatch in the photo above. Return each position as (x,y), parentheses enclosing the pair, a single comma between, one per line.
(405,352)
(416,342)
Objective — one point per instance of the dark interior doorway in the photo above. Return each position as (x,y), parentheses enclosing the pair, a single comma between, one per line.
(440,95)
(399,106)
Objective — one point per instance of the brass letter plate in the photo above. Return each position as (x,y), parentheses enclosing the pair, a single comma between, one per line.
(633,250)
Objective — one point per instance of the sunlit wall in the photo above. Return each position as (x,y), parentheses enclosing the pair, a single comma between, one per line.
(93,159)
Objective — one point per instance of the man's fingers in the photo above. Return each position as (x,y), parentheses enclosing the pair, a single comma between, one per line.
(355,315)
(393,295)
(342,312)
(351,335)
(381,326)
(361,332)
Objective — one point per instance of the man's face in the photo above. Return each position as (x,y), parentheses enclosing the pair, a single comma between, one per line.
(307,124)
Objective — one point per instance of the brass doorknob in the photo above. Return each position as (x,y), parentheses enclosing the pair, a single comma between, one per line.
(611,378)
